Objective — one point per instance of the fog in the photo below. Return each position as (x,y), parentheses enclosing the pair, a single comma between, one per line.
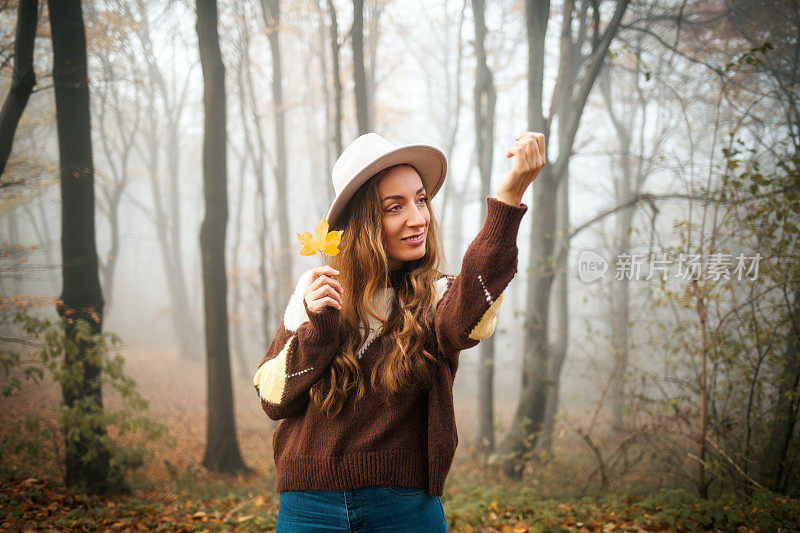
(649,143)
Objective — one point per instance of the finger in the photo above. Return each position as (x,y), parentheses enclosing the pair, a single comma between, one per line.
(320,292)
(540,143)
(334,292)
(532,149)
(525,138)
(513,149)
(325,269)
(522,154)
(318,305)
(316,283)
(336,285)
(326,291)
(330,301)
(325,280)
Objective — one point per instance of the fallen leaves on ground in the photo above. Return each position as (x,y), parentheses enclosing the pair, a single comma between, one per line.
(40,504)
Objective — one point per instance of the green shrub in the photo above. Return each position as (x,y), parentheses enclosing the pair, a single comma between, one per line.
(45,346)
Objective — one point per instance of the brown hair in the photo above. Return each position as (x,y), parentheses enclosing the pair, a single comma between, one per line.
(364,275)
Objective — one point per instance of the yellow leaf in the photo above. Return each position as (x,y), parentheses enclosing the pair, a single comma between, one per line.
(325,241)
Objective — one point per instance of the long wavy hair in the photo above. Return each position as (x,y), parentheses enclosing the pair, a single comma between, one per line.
(364,275)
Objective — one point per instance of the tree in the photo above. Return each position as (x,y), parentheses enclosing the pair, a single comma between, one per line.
(337,85)
(271,12)
(160,149)
(742,435)
(634,126)
(222,448)
(529,416)
(484,99)
(359,77)
(119,118)
(24,78)
(87,455)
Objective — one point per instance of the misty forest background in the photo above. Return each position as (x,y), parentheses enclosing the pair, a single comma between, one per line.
(158,159)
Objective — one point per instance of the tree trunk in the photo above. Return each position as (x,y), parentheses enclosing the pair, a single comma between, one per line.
(337,83)
(222,448)
(484,98)
(111,100)
(23,78)
(359,76)
(775,461)
(627,187)
(243,362)
(374,9)
(323,32)
(87,456)
(529,416)
(167,216)
(561,327)
(245,368)
(271,9)
(186,330)
(568,72)
(257,150)
(702,484)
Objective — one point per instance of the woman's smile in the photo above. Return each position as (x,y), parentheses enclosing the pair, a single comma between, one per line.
(415,240)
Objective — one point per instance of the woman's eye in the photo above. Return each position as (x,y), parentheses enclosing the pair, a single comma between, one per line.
(396,207)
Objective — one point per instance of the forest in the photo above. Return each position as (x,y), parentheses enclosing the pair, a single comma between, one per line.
(158,161)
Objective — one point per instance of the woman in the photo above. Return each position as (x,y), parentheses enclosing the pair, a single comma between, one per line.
(360,372)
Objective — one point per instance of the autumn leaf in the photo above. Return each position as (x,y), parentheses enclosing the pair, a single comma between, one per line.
(325,242)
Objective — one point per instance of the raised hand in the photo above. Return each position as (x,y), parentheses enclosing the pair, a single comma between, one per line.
(530,156)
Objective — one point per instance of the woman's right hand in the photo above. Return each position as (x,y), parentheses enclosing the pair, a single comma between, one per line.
(323,289)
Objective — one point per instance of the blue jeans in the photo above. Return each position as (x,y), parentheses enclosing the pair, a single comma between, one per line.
(380,508)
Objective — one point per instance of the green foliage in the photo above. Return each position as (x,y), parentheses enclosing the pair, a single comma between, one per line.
(50,352)
(751,57)
(743,326)
(680,510)
(496,507)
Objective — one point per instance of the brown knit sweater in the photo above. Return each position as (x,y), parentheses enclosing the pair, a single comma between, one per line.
(411,443)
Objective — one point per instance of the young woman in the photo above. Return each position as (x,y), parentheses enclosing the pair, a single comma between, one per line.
(361,370)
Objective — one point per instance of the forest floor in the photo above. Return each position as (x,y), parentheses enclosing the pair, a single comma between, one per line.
(172,492)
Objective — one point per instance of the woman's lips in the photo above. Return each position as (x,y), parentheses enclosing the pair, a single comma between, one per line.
(415,241)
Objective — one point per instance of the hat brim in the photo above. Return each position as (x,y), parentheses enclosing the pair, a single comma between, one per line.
(429,162)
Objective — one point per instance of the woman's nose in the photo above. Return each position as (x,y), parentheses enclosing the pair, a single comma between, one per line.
(415,218)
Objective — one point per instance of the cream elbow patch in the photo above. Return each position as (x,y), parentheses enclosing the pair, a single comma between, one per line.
(485,326)
(271,376)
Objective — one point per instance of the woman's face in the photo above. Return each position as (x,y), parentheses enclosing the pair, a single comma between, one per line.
(405,214)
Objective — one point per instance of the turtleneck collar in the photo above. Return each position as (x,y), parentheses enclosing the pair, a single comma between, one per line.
(396,276)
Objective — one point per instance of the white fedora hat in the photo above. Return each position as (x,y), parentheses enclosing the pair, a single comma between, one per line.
(371,153)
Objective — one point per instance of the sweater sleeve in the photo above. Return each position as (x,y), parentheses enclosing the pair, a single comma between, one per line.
(297,357)
(467,309)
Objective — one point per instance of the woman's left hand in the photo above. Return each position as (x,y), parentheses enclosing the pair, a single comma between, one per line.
(530,157)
